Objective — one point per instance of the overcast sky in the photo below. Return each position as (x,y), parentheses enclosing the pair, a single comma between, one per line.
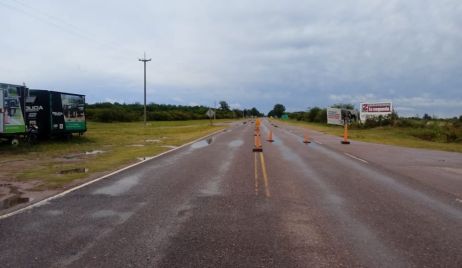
(249,53)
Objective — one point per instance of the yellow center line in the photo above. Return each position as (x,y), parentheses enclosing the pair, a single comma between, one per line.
(265,175)
(256,175)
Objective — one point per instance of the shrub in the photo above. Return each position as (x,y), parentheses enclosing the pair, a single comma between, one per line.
(452,134)
(425,134)
(107,115)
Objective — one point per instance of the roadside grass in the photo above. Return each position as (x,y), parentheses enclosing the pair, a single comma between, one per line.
(104,148)
(400,136)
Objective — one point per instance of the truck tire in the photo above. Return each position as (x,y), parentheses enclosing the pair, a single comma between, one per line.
(15,141)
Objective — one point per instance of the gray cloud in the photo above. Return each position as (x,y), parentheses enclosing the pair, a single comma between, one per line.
(250,53)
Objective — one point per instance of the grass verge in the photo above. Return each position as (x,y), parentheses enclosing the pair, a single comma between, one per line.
(399,136)
(104,148)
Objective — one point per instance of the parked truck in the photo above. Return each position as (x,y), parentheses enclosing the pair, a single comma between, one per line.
(12,107)
(55,113)
(33,113)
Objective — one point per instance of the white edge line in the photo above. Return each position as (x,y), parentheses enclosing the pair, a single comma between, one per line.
(318,142)
(357,158)
(44,201)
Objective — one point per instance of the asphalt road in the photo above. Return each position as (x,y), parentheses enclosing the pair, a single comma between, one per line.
(216,203)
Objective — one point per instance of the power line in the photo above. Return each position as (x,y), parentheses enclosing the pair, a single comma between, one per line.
(62,25)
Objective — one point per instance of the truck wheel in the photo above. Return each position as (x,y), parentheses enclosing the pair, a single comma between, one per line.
(15,141)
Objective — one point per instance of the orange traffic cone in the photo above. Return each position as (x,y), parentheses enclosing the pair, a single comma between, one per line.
(345,135)
(258,147)
(270,136)
(305,139)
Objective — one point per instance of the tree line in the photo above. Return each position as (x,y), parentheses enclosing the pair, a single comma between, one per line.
(122,112)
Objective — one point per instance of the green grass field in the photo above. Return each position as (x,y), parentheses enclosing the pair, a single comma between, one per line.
(120,144)
(384,135)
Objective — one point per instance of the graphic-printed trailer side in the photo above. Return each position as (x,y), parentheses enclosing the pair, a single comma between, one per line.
(12,105)
(56,113)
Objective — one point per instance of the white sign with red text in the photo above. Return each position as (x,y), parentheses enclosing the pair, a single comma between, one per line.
(374,109)
(334,116)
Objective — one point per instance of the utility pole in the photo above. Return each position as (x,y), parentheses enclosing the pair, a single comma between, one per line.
(144,60)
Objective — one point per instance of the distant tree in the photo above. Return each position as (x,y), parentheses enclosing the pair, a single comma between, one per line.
(237,113)
(254,112)
(460,118)
(348,106)
(278,110)
(426,117)
(313,114)
(224,106)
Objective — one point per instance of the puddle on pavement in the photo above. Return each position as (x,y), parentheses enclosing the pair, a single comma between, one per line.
(119,186)
(145,158)
(135,145)
(95,152)
(169,146)
(107,213)
(53,212)
(74,170)
(104,213)
(236,143)
(80,155)
(152,140)
(72,156)
(14,200)
(202,143)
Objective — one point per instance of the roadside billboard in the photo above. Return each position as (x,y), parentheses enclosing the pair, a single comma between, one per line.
(374,109)
(74,111)
(12,113)
(334,116)
(56,113)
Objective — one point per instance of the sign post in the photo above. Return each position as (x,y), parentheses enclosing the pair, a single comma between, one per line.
(341,117)
(345,133)
(211,114)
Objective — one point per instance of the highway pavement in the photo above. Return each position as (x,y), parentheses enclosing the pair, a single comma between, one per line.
(216,203)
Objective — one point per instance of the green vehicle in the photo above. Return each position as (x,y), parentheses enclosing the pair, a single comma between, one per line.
(12,107)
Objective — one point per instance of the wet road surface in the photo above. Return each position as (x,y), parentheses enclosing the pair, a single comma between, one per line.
(216,203)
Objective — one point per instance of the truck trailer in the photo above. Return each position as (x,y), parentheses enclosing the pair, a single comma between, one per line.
(55,113)
(12,107)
